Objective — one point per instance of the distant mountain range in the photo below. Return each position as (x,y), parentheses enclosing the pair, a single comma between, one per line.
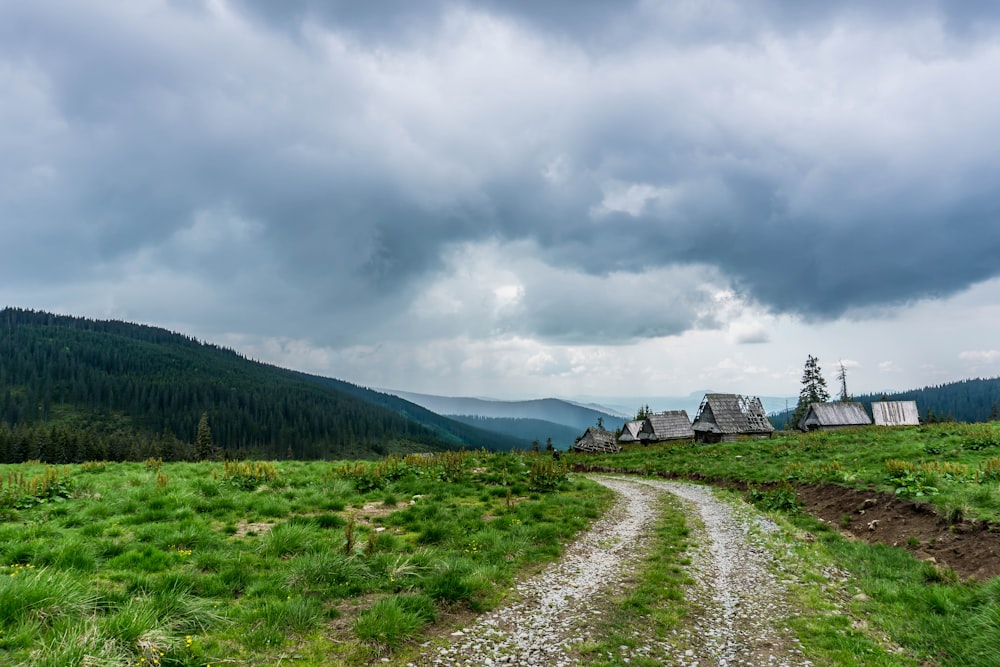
(561,419)
(551,410)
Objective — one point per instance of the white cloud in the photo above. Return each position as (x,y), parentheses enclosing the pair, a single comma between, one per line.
(748,333)
(630,198)
(980,356)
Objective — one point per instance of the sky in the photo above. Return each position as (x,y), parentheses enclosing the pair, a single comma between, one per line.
(571,198)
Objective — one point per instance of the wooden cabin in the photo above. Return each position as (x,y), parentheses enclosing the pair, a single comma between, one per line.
(635,431)
(597,440)
(830,416)
(895,413)
(669,425)
(727,417)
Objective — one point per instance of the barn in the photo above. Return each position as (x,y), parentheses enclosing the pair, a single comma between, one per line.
(895,413)
(830,416)
(727,417)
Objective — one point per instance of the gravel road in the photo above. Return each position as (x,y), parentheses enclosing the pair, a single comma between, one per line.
(739,604)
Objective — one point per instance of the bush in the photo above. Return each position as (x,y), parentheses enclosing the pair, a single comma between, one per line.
(546,474)
(780,498)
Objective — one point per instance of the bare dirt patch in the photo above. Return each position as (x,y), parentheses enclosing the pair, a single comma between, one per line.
(371,511)
(970,548)
(244,528)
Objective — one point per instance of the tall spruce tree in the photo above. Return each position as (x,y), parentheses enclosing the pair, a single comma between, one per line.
(813,389)
(203,439)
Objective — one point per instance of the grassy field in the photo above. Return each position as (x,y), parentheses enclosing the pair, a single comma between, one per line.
(955,467)
(255,563)
(864,603)
(319,563)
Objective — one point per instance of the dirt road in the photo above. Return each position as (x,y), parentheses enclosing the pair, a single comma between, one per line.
(739,605)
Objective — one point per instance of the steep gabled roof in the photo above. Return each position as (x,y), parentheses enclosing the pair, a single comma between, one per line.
(632,431)
(670,425)
(732,414)
(597,440)
(896,413)
(835,414)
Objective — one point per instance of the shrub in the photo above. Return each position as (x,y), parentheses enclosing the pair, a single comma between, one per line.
(20,492)
(546,474)
(990,471)
(910,479)
(980,436)
(780,498)
(250,474)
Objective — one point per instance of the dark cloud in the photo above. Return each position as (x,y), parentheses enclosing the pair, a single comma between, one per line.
(819,158)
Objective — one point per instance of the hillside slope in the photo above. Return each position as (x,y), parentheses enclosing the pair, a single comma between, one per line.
(124,382)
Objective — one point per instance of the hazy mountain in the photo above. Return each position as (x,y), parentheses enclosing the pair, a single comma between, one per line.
(552,410)
(527,430)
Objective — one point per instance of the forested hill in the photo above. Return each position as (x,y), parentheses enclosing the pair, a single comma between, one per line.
(965,401)
(969,401)
(79,389)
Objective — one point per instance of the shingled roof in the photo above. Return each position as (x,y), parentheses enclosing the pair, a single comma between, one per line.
(834,415)
(731,414)
(670,425)
(597,440)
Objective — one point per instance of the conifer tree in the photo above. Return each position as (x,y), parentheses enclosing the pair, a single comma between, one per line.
(842,377)
(813,389)
(203,439)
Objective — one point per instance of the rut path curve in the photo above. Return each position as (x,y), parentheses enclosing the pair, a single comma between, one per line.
(738,604)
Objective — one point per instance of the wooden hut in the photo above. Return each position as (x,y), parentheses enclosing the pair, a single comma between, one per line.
(669,425)
(597,440)
(635,431)
(895,413)
(726,417)
(830,416)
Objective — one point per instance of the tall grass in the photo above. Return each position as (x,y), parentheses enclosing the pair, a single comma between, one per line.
(236,565)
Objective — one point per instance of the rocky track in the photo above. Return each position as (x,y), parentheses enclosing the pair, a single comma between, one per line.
(738,603)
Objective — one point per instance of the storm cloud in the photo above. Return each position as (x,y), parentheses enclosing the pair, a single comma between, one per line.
(571,172)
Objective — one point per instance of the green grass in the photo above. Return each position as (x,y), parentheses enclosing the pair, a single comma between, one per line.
(961,462)
(920,606)
(861,603)
(249,566)
(346,563)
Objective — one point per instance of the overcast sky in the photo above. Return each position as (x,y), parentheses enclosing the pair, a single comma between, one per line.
(516,199)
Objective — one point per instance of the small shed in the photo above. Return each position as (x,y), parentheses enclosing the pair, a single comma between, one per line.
(597,440)
(669,425)
(895,413)
(726,417)
(830,416)
(635,431)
